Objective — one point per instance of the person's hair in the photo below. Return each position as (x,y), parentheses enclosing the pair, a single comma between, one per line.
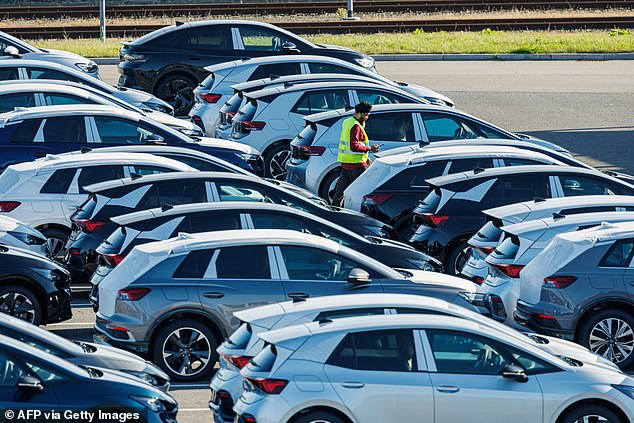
(363,107)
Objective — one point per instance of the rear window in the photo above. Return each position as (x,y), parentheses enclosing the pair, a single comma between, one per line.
(194,265)
(490,231)
(431,201)
(619,255)
(25,131)
(96,174)
(240,338)
(263,362)
(589,209)
(9,102)
(59,181)
(114,243)
(507,249)
(85,211)
(247,111)
(306,136)
(415,176)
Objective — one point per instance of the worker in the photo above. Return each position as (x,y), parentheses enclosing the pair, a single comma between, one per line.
(354,146)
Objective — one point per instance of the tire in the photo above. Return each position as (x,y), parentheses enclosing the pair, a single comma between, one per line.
(14,298)
(56,240)
(457,258)
(178,91)
(596,327)
(178,369)
(319,417)
(604,414)
(327,187)
(275,161)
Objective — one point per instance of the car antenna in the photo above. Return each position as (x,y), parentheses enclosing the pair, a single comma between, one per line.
(297,298)
(348,108)
(273,76)
(477,169)
(557,216)
(287,85)
(539,199)
(135,176)
(165,207)
(85,150)
(179,23)
(422,143)
(323,321)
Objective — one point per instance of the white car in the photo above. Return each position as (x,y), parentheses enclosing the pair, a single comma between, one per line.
(404,174)
(403,367)
(44,193)
(212,93)
(272,117)
(16,234)
(245,343)
(522,242)
(490,235)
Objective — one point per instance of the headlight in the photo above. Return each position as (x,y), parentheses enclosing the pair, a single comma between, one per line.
(159,107)
(49,274)
(27,238)
(144,377)
(87,67)
(366,62)
(625,389)
(151,403)
(436,101)
(247,157)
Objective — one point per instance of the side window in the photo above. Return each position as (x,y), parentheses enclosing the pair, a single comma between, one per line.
(391,127)
(520,162)
(619,254)
(238,191)
(61,99)
(119,131)
(11,371)
(150,200)
(198,164)
(231,263)
(525,188)
(487,132)
(59,181)
(179,192)
(321,101)
(354,312)
(415,176)
(194,265)
(463,353)
(66,129)
(406,310)
(281,69)
(465,165)
(380,350)
(204,222)
(43,373)
(261,39)
(264,220)
(24,132)
(380,97)
(212,37)
(574,185)
(96,174)
(328,68)
(312,264)
(531,365)
(445,127)
(8,102)
(8,74)
(43,73)
(150,170)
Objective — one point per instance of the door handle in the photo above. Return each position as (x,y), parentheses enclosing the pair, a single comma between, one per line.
(39,154)
(298,296)
(353,385)
(448,389)
(213,294)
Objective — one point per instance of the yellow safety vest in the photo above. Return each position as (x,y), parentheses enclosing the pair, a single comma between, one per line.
(346,155)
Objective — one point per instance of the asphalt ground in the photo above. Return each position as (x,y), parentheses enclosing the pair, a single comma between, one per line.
(586,107)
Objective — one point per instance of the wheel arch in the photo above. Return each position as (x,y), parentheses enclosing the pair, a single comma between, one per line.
(592,401)
(213,322)
(29,283)
(614,303)
(174,72)
(325,408)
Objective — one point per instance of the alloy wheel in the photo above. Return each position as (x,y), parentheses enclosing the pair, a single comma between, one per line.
(612,338)
(461,259)
(277,165)
(17,305)
(592,418)
(186,351)
(179,94)
(55,247)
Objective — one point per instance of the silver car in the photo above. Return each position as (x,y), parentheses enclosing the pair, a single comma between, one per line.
(403,367)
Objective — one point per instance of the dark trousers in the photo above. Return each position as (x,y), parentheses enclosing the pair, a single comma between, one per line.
(346,177)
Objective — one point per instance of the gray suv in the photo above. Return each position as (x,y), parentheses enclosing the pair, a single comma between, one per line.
(174,300)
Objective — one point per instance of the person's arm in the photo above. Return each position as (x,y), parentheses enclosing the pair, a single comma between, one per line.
(356,140)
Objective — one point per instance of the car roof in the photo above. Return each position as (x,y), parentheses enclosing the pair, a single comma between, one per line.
(39,63)
(34,85)
(21,113)
(380,108)
(324,85)
(284,58)
(589,237)
(564,220)
(301,78)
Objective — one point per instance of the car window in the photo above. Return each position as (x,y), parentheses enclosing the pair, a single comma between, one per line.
(210,37)
(464,353)
(231,262)
(45,374)
(113,130)
(281,69)
(206,222)
(150,170)
(415,176)
(619,254)
(381,97)
(391,127)
(95,174)
(520,162)
(465,165)
(24,132)
(194,265)
(380,350)
(65,129)
(312,264)
(8,74)
(321,101)
(43,73)
(261,39)
(180,192)
(531,365)
(328,68)
(272,220)
(524,188)
(10,371)
(352,312)
(574,185)
(8,102)
(238,191)
(196,163)
(446,127)
(61,99)
(59,181)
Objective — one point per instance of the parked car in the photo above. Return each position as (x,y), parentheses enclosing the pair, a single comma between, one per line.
(114,198)
(20,49)
(83,353)
(272,117)
(44,193)
(579,288)
(243,344)
(168,294)
(212,93)
(49,92)
(232,105)
(22,69)
(451,213)
(373,368)
(35,132)
(522,242)
(16,234)
(33,379)
(313,162)
(390,188)
(33,287)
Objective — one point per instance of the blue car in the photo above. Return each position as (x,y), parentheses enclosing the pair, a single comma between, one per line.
(30,133)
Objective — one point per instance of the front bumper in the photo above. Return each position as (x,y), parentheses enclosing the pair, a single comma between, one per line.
(429,240)
(58,306)
(296,173)
(541,321)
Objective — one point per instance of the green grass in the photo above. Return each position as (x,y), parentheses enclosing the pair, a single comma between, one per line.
(488,41)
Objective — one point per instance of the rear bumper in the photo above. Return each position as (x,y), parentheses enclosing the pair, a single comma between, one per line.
(58,306)
(541,321)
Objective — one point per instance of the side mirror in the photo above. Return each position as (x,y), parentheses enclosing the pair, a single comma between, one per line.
(358,276)
(155,139)
(511,371)
(30,383)
(12,51)
(289,47)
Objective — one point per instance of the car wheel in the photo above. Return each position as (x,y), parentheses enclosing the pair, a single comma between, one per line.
(55,242)
(275,161)
(591,413)
(318,417)
(21,302)
(328,185)
(610,334)
(186,350)
(458,258)
(178,91)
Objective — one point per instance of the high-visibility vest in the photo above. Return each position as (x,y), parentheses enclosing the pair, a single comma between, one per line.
(346,155)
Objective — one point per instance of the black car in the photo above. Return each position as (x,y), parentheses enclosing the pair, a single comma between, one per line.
(91,222)
(452,212)
(170,62)
(33,287)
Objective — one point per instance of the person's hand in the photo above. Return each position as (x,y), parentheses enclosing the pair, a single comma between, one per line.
(374,148)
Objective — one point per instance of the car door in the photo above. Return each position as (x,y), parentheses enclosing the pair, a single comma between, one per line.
(88,175)
(313,272)
(615,273)
(18,141)
(392,129)
(12,370)
(382,374)
(317,101)
(465,372)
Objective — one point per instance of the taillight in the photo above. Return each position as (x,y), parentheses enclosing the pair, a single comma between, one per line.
(559,282)
(305,151)
(197,120)
(512,270)
(477,279)
(88,225)
(210,98)
(112,259)
(8,206)
(237,360)
(246,418)
(376,199)
(434,219)
(132,294)
(253,125)
(269,386)
(485,250)
(134,58)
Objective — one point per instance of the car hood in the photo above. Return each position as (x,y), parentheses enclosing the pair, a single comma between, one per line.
(169,120)
(367,221)
(340,48)
(440,279)
(544,143)
(65,54)
(558,346)
(423,92)
(134,385)
(229,145)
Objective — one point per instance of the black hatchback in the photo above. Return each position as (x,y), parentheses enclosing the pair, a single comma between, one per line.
(170,62)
